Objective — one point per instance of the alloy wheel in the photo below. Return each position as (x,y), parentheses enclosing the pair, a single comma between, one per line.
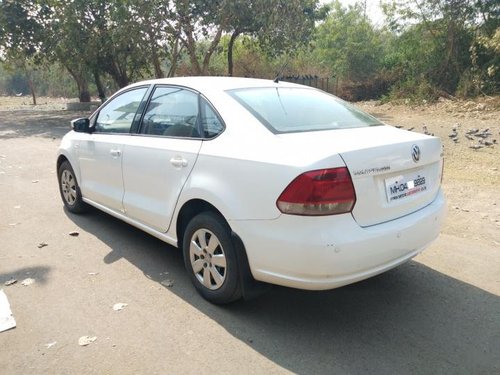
(208,260)
(68,187)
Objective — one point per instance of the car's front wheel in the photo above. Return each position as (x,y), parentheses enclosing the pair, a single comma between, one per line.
(69,189)
(210,258)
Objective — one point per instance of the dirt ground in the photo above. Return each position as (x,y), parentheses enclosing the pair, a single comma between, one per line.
(439,313)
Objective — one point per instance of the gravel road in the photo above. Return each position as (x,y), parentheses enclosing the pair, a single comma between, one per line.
(439,313)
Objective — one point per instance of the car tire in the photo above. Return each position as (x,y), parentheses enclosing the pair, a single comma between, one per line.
(210,258)
(69,189)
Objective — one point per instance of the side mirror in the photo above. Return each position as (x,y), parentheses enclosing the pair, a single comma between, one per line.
(81,125)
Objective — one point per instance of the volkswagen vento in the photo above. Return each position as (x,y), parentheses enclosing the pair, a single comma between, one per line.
(257,181)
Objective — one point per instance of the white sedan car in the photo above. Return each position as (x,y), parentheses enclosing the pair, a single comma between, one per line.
(257,181)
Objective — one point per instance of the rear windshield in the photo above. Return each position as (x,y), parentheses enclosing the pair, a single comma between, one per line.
(287,110)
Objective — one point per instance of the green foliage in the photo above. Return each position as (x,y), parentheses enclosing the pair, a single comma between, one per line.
(348,43)
(12,83)
(279,26)
(426,49)
(288,24)
(416,90)
(50,80)
(437,48)
(249,58)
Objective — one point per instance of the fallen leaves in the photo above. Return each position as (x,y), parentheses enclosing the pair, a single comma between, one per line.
(50,344)
(86,340)
(119,306)
(168,283)
(28,281)
(10,282)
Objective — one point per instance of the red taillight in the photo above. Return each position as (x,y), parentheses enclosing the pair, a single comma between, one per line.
(321,192)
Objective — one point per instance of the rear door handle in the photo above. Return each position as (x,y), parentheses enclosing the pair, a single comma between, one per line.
(115,153)
(179,162)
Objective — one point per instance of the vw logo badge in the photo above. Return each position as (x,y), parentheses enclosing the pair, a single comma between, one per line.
(415,153)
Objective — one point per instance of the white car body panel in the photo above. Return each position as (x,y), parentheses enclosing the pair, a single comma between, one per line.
(243,171)
(100,169)
(248,189)
(373,155)
(331,251)
(152,183)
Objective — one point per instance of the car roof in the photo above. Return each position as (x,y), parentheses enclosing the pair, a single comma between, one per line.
(201,83)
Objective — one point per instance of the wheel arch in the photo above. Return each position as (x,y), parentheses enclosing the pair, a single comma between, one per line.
(61,159)
(63,156)
(189,210)
(250,287)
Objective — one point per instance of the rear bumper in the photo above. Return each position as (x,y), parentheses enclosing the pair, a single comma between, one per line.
(327,252)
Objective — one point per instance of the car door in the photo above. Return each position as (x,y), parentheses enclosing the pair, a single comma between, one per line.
(101,152)
(157,162)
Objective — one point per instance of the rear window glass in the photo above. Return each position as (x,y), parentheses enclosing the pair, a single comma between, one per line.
(287,110)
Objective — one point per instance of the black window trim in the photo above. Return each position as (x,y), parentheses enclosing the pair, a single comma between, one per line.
(216,113)
(268,126)
(200,96)
(95,115)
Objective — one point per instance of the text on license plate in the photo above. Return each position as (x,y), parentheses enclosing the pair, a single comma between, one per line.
(404,186)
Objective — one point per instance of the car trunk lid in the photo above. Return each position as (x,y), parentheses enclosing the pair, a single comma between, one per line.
(394,179)
(394,172)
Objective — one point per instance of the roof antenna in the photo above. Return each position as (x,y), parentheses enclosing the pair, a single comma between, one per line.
(277,79)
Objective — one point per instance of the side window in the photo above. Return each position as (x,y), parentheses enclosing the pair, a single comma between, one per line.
(172,112)
(117,116)
(210,122)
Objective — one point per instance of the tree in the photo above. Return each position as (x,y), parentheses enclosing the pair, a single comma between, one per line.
(349,44)
(439,41)
(155,23)
(22,35)
(200,19)
(124,39)
(280,26)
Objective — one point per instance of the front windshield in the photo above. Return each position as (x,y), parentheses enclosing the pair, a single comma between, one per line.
(287,110)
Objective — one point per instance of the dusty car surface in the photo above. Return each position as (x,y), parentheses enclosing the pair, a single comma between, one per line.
(257,180)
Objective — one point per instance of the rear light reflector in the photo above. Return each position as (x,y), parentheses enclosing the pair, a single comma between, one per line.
(320,192)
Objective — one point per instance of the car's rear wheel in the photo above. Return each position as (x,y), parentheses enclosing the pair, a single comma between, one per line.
(210,258)
(69,189)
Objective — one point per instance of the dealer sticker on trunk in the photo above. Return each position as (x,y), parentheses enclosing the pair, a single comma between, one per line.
(404,186)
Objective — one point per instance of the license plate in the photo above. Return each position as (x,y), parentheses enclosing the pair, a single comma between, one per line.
(404,186)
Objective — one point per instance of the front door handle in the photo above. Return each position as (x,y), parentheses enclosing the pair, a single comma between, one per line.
(179,162)
(115,153)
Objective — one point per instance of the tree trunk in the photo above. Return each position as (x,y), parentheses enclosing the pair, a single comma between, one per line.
(211,50)
(81,83)
(230,46)
(190,44)
(175,56)
(100,87)
(191,49)
(117,72)
(120,78)
(156,62)
(32,88)
(84,91)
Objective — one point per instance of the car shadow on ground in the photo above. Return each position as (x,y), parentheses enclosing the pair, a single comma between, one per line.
(40,273)
(26,123)
(410,320)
